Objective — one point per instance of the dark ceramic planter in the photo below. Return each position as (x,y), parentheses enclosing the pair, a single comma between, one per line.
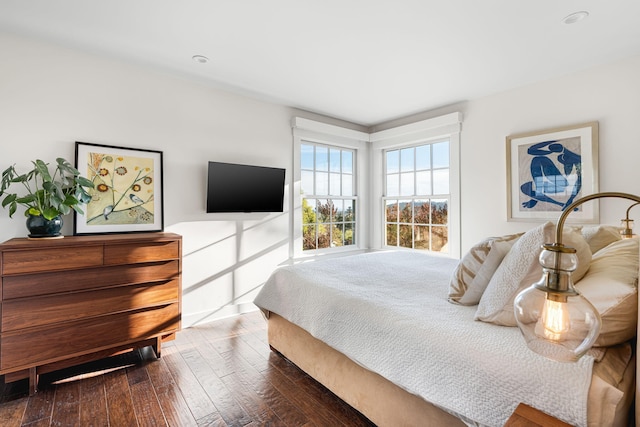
(39,227)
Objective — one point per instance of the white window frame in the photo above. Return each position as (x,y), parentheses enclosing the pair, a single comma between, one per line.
(306,130)
(426,131)
(415,196)
(314,195)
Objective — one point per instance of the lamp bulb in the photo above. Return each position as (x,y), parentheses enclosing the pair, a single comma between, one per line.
(555,320)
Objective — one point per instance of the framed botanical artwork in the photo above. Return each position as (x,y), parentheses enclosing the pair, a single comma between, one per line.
(548,170)
(127,193)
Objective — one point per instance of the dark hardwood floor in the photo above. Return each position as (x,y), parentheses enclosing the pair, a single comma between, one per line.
(218,374)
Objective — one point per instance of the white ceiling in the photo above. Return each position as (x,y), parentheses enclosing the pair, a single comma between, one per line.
(364,61)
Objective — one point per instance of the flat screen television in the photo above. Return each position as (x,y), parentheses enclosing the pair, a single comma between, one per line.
(244,188)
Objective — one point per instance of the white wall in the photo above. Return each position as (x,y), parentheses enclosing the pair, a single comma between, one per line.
(608,94)
(51,97)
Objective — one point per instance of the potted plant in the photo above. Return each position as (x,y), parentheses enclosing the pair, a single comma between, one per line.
(47,197)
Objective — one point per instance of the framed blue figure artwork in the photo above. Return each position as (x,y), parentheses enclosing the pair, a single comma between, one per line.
(548,170)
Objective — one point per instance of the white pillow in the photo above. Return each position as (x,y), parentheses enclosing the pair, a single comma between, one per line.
(611,286)
(471,263)
(600,236)
(521,268)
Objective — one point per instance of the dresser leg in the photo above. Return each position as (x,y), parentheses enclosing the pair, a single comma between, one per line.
(33,381)
(157,347)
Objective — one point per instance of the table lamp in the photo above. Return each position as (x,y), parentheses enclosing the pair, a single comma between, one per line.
(555,320)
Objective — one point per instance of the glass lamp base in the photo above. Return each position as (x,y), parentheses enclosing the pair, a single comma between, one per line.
(561,331)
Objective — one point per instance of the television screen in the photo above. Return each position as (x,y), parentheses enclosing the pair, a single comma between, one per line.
(244,188)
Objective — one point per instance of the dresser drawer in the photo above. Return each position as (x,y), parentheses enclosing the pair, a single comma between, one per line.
(127,253)
(22,349)
(47,310)
(90,278)
(62,258)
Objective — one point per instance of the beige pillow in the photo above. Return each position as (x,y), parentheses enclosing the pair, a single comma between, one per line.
(600,236)
(471,263)
(521,268)
(611,286)
(499,249)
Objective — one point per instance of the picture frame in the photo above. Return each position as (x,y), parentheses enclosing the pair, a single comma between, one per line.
(128,189)
(547,170)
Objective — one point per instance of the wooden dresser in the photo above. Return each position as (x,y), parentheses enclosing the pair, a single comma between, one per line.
(68,301)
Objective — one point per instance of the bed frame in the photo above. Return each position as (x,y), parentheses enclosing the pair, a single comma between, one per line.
(383,402)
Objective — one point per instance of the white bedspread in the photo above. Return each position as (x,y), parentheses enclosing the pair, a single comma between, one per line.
(388,312)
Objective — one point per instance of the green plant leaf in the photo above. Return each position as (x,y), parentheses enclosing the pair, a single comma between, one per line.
(65,166)
(11,198)
(32,211)
(51,213)
(84,182)
(29,198)
(42,169)
(56,201)
(70,200)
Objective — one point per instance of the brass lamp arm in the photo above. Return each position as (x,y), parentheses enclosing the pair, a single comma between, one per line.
(629,209)
(584,199)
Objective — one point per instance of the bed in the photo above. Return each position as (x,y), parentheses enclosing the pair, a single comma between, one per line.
(385,332)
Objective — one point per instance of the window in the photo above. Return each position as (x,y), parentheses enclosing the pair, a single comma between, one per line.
(417,196)
(329,202)
(345,180)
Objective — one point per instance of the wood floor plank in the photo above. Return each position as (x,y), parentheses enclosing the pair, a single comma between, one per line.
(255,407)
(66,405)
(12,412)
(173,405)
(137,374)
(325,398)
(222,398)
(40,406)
(258,343)
(287,411)
(93,402)
(119,405)
(212,420)
(194,395)
(285,383)
(175,409)
(146,405)
(220,365)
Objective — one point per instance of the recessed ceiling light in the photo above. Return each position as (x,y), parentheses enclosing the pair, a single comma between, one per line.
(575,17)
(200,59)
